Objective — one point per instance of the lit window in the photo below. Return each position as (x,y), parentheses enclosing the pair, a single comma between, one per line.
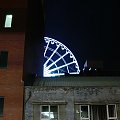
(49,112)
(3,59)
(1,105)
(8,21)
(98,112)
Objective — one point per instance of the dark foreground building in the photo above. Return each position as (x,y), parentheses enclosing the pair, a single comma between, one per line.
(14,29)
(73,98)
(12,38)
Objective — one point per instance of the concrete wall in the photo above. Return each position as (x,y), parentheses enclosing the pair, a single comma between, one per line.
(11,85)
(70,98)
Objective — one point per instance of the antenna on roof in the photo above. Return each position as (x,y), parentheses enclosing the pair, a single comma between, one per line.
(86,64)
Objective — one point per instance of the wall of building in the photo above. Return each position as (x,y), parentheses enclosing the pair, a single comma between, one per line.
(11,85)
(69,98)
(12,40)
(13,4)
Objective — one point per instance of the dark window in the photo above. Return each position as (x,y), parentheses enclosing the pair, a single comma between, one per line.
(98,112)
(1,106)
(3,59)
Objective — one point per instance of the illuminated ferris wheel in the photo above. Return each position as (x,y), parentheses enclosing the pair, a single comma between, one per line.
(58,59)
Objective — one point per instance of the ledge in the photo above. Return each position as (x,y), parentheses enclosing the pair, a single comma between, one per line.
(49,102)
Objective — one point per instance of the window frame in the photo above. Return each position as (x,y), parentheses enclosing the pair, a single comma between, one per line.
(108,117)
(49,110)
(88,112)
(107,114)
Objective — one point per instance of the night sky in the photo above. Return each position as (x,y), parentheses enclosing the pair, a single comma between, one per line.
(89,28)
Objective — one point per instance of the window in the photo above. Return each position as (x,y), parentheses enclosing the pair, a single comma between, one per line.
(49,112)
(3,59)
(85,112)
(1,106)
(8,21)
(111,112)
(98,112)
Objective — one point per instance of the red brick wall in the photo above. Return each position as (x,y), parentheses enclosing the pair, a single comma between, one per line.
(11,86)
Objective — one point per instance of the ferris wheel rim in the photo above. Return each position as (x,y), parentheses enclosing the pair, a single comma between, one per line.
(51,41)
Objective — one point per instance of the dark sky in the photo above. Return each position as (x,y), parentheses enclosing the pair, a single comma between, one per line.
(89,28)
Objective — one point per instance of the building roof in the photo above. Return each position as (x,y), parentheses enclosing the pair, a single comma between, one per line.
(76,81)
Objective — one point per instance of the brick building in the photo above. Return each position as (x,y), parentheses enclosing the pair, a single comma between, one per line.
(12,38)
(19,36)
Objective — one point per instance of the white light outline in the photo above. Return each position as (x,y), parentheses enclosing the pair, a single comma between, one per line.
(47,72)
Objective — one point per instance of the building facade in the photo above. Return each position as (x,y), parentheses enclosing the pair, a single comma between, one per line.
(73,98)
(12,38)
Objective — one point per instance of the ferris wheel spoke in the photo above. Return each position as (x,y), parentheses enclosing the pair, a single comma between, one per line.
(52,55)
(54,69)
(46,48)
(57,60)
